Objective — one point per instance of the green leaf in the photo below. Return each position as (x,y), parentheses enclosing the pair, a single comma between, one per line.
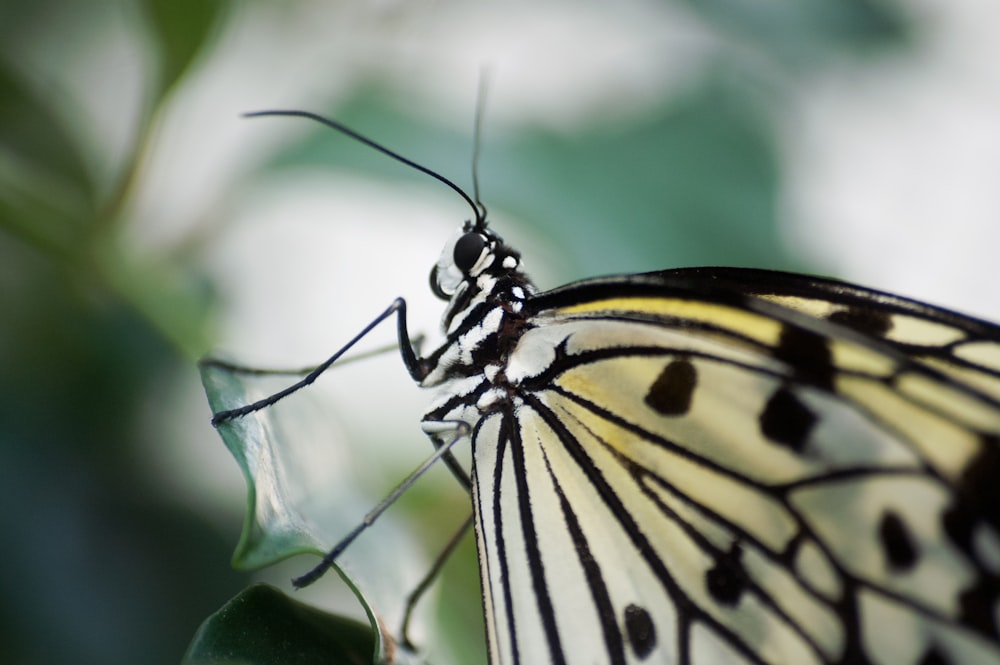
(262,626)
(693,182)
(47,193)
(273,528)
(174,298)
(802,34)
(296,503)
(181,29)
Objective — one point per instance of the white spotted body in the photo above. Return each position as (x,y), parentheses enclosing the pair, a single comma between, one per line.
(482,321)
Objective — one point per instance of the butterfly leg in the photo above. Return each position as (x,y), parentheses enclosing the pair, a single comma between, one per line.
(445,433)
(425,583)
(415,365)
(234,368)
(459,429)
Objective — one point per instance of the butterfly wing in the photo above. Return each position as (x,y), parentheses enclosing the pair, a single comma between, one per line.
(962,346)
(701,469)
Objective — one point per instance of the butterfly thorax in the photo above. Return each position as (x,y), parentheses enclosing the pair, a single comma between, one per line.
(481,278)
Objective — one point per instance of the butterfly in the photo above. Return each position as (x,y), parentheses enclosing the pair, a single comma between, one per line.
(714,465)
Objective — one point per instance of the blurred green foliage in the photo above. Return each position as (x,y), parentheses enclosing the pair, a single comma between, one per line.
(97,567)
(262,625)
(102,566)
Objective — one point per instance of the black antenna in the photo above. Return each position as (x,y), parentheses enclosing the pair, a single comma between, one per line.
(477,209)
(477,140)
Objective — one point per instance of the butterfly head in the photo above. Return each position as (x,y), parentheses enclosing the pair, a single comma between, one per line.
(470,254)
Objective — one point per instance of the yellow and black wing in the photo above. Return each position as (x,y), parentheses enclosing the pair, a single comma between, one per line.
(723,465)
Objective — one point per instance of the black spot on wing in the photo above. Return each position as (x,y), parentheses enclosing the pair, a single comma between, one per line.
(807,354)
(640,630)
(868,320)
(786,420)
(687,610)
(974,508)
(933,657)
(897,543)
(727,579)
(979,603)
(671,393)
(978,488)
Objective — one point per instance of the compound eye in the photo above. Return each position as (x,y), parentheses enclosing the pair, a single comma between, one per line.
(468,249)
